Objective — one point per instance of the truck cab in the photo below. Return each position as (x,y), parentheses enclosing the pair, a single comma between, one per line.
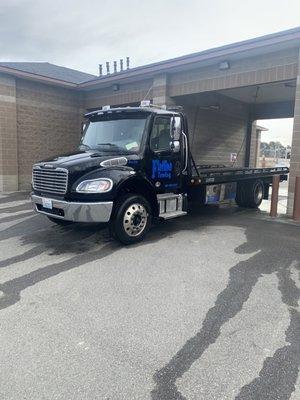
(131,167)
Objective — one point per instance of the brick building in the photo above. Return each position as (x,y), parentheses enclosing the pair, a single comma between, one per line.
(223,91)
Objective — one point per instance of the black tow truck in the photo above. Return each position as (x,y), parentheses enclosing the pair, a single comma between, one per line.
(134,165)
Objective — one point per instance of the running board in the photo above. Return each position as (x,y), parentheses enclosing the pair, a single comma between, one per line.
(174,214)
(171,205)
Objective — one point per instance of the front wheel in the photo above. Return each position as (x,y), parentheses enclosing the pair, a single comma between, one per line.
(131,219)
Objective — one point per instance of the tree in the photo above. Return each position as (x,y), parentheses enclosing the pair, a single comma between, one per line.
(274,149)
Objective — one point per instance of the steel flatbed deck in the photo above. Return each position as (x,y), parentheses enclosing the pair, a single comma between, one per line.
(220,174)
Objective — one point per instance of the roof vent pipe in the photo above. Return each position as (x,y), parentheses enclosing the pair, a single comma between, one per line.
(100,70)
(115,67)
(107,68)
(121,64)
(127,62)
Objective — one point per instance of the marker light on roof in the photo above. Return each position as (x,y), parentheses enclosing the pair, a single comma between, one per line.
(105,108)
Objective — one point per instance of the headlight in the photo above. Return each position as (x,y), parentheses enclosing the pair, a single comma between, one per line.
(95,186)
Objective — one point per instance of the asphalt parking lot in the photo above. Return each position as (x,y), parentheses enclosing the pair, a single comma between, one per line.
(206,308)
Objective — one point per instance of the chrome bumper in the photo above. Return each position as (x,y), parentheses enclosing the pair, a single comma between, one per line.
(77,212)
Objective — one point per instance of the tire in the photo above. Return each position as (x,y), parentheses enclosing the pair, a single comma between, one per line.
(61,222)
(250,194)
(131,219)
(240,197)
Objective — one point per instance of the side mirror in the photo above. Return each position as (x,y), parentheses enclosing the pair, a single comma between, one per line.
(175,146)
(175,130)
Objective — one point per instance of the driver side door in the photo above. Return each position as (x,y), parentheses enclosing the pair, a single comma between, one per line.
(164,165)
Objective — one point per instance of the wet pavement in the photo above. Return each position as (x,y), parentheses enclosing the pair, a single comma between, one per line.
(207,307)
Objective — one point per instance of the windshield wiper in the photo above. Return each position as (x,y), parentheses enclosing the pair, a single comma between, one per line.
(112,146)
(108,144)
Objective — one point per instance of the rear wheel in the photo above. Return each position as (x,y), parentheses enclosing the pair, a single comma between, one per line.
(58,221)
(131,219)
(250,194)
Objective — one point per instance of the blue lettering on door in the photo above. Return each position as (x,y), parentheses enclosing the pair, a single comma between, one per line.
(161,169)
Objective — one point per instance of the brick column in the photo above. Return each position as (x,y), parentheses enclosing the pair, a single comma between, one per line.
(295,156)
(160,91)
(8,135)
(255,146)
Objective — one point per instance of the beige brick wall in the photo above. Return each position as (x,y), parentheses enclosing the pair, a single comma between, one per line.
(127,94)
(214,135)
(48,120)
(160,91)
(252,70)
(255,146)
(8,135)
(155,89)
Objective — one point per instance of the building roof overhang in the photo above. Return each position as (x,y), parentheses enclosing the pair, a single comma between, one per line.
(36,77)
(269,43)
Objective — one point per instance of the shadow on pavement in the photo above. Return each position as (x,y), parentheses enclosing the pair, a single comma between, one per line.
(277,248)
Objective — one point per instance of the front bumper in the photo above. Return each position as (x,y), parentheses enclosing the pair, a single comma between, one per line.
(74,211)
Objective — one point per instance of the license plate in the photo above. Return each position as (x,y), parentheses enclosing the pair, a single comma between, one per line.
(47,203)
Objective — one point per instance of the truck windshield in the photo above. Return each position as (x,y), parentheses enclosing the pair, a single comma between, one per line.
(121,134)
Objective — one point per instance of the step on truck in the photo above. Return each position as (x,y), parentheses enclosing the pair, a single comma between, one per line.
(134,166)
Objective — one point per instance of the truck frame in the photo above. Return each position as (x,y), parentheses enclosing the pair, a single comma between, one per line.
(134,166)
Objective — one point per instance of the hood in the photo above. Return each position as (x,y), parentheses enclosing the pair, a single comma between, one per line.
(83,160)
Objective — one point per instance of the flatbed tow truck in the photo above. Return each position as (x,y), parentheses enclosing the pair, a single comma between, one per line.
(134,165)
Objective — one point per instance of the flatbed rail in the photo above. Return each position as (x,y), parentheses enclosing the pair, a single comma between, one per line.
(230,174)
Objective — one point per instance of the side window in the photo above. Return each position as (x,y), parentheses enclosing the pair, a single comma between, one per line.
(160,136)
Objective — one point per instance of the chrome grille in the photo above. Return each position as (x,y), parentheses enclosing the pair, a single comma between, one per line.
(50,180)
